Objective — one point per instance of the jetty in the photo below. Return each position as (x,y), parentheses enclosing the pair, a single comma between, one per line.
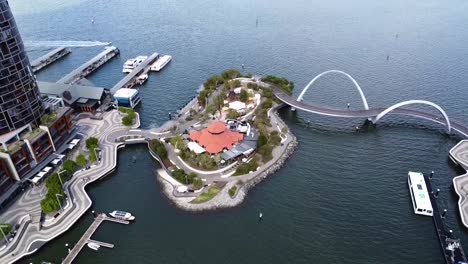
(130,80)
(89,66)
(87,237)
(451,247)
(49,58)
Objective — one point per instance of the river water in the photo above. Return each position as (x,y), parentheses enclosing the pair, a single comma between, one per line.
(342,197)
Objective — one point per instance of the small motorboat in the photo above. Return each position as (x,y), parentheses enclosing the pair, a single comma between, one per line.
(122,215)
(93,246)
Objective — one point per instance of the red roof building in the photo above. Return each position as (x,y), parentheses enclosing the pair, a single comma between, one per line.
(216,137)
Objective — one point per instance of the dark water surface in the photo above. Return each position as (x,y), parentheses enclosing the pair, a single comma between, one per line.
(343,196)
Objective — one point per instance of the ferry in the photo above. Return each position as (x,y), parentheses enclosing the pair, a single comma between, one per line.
(131,64)
(419,196)
(93,245)
(161,62)
(141,79)
(122,215)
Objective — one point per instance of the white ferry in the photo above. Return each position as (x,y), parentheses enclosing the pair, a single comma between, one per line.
(131,64)
(161,62)
(122,215)
(419,196)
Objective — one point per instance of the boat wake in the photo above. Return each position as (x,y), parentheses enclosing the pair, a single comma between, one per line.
(65,43)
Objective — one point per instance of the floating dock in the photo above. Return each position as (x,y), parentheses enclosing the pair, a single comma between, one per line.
(130,80)
(49,58)
(90,66)
(451,247)
(87,237)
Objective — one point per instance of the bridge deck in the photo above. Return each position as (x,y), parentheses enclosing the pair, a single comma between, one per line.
(129,80)
(89,66)
(47,59)
(87,236)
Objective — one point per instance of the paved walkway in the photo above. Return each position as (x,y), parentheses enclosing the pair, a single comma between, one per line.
(459,154)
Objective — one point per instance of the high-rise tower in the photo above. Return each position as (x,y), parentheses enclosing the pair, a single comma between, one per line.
(20,102)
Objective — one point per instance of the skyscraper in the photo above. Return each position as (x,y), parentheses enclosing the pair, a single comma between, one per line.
(20,102)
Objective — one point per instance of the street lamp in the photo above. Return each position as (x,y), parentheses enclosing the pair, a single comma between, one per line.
(56,196)
(60,177)
(95,153)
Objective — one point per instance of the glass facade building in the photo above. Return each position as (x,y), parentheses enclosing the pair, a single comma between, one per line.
(20,102)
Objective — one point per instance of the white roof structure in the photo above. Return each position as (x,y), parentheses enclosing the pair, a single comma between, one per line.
(237,90)
(36,179)
(182,188)
(47,169)
(41,174)
(56,161)
(75,141)
(125,93)
(193,146)
(71,146)
(421,196)
(237,105)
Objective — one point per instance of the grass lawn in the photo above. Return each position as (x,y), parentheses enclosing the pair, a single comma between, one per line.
(206,196)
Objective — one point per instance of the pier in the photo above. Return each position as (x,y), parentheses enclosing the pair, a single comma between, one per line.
(49,58)
(87,237)
(451,247)
(89,66)
(129,81)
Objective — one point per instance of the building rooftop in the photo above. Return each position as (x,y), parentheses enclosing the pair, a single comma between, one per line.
(216,137)
(125,92)
(70,92)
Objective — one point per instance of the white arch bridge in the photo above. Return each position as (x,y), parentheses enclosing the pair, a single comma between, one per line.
(373,114)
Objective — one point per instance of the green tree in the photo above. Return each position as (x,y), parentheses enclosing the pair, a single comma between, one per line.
(275,139)
(218,102)
(69,166)
(202,98)
(268,93)
(197,183)
(158,147)
(81,160)
(91,143)
(244,96)
(230,74)
(177,142)
(262,140)
(266,152)
(6,228)
(232,114)
(206,162)
(268,103)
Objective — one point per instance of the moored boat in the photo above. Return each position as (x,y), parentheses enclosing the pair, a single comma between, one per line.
(93,245)
(122,215)
(161,62)
(419,196)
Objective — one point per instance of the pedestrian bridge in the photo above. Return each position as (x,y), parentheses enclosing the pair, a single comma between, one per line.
(373,114)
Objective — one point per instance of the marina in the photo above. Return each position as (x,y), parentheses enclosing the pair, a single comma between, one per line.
(86,238)
(131,79)
(49,58)
(90,66)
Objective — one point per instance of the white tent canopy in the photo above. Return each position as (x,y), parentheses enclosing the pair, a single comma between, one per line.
(47,169)
(237,105)
(193,146)
(182,188)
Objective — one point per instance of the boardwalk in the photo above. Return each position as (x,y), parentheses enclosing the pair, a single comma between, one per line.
(89,66)
(47,59)
(451,248)
(87,237)
(129,80)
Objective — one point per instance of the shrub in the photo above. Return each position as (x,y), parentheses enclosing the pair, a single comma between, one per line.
(247,167)
(232,191)
(267,104)
(262,140)
(232,114)
(197,183)
(81,160)
(6,228)
(159,148)
(283,83)
(268,93)
(182,177)
(230,74)
(244,96)
(275,139)
(265,151)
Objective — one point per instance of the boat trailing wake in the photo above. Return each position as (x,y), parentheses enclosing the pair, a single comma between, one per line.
(65,43)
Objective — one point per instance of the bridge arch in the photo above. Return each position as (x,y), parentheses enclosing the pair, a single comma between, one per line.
(363,97)
(410,102)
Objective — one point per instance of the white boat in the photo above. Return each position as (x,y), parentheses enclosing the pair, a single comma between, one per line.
(131,64)
(161,62)
(122,215)
(142,78)
(93,245)
(419,195)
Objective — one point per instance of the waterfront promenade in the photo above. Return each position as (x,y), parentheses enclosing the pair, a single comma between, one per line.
(459,154)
